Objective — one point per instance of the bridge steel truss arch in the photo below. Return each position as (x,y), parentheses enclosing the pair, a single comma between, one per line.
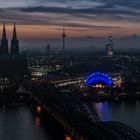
(76,113)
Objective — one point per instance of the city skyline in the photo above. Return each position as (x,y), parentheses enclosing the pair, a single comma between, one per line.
(44,19)
(127,43)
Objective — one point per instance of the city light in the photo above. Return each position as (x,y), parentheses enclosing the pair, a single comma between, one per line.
(98,78)
(38,109)
(68,138)
(69,69)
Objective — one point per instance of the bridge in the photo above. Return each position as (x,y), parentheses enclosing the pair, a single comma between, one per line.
(77,117)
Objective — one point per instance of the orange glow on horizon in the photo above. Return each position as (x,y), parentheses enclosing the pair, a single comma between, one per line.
(52,31)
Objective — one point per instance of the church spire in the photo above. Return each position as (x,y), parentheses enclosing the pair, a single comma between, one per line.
(14,43)
(4,32)
(14,32)
(4,42)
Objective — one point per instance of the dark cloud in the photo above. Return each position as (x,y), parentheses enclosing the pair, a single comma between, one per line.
(105,12)
(74,13)
(82,27)
(127,3)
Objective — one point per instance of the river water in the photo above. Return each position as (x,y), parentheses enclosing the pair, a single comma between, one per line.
(21,123)
(126,112)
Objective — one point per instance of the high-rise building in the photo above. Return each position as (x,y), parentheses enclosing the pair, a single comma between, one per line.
(48,49)
(109,47)
(14,50)
(64,39)
(4,43)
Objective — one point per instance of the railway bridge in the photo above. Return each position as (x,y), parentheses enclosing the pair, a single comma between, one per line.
(77,117)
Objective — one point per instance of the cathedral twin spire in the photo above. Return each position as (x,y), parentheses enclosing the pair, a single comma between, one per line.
(4,32)
(14,42)
(4,42)
(14,49)
(14,32)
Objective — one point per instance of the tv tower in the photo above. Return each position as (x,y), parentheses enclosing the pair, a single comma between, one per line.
(64,38)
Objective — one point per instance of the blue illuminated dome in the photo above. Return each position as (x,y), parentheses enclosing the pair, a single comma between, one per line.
(98,78)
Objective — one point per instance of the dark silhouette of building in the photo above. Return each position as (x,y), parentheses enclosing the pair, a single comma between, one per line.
(14,50)
(4,42)
(12,65)
(48,49)
(64,38)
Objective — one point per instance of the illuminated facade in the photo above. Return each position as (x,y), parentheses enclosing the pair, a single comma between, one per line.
(117,80)
(98,79)
(109,47)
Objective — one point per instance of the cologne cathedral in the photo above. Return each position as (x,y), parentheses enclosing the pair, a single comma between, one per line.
(13,65)
(14,49)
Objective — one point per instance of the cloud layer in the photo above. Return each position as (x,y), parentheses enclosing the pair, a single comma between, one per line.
(101,15)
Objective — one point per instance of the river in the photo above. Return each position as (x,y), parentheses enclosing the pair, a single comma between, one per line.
(126,112)
(21,123)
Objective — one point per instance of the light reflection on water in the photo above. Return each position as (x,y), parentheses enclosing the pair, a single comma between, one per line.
(103,111)
(37,121)
(20,123)
(126,112)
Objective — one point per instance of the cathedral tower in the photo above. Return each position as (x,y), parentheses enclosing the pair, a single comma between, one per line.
(4,42)
(14,43)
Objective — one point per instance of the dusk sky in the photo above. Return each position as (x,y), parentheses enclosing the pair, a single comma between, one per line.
(44,18)
(88,23)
